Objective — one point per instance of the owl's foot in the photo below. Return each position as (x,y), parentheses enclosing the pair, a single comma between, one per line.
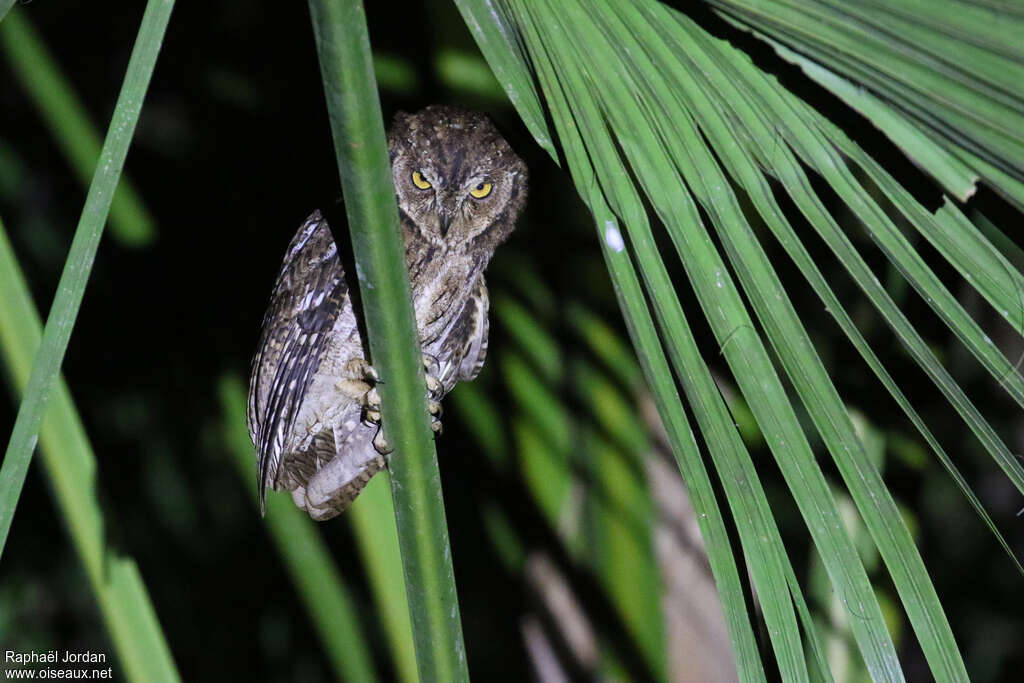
(435,416)
(359,380)
(371,404)
(435,390)
(358,368)
(381,443)
(360,389)
(366,376)
(373,418)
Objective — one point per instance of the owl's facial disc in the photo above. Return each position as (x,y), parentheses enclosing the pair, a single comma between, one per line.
(455,176)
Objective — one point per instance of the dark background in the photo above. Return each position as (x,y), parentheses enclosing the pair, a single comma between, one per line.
(232,152)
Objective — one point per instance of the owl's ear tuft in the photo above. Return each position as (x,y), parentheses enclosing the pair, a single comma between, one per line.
(401,120)
(398,130)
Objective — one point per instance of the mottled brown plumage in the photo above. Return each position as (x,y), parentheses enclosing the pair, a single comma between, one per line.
(312,409)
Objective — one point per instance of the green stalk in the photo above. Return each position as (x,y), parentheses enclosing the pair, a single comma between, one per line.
(372,518)
(318,582)
(71,468)
(354,108)
(60,107)
(62,316)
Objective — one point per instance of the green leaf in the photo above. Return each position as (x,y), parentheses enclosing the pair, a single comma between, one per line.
(71,467)
(353,106)
(944,69)
(648,108)
(372,517)
(322,589)
(71,288)
(59,105)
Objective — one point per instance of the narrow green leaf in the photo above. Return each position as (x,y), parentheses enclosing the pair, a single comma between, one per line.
(372,517)
(664,95)
(948,170)
(621,103)
(353,106)
(498,41)
(950,69)
(804,368)
(761,126)
(71,288)
(656,369)
(64,113)
(822,155)
(317,581)
(71,467)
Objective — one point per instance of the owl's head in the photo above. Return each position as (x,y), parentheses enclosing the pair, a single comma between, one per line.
(457,179)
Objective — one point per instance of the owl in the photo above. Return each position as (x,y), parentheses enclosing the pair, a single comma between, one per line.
(313,411)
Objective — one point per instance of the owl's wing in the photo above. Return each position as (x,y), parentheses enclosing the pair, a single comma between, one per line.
(469,336)
(308,296)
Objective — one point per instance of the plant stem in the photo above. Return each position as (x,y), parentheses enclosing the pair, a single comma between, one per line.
(354,107)
(80,259)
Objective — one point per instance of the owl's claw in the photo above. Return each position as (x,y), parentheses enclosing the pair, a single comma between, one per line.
(358,368)
(431,364)
(381,443)
(435,389)
(370,373)
(367,394)
(358,382)
(434,386)
(372,399)
(371,407)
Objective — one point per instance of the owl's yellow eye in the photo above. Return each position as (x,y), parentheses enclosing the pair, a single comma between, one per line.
(481,190)
(419,181)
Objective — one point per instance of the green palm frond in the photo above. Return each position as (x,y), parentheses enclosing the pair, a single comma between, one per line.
(708,179)
(951,69)
(357,127)
(71,465)
(71,289)
(649,110)
(58,103)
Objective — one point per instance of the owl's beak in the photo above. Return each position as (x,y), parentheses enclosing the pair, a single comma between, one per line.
(445,220)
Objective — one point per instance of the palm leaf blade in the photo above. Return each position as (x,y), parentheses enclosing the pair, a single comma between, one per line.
(614,78)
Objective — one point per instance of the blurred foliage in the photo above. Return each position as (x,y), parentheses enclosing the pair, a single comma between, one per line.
(542,455)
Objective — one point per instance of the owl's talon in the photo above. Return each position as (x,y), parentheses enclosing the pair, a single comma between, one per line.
(372,399)
(434,386)
(430,364)
(358,368)
(370,372)
(381,443)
